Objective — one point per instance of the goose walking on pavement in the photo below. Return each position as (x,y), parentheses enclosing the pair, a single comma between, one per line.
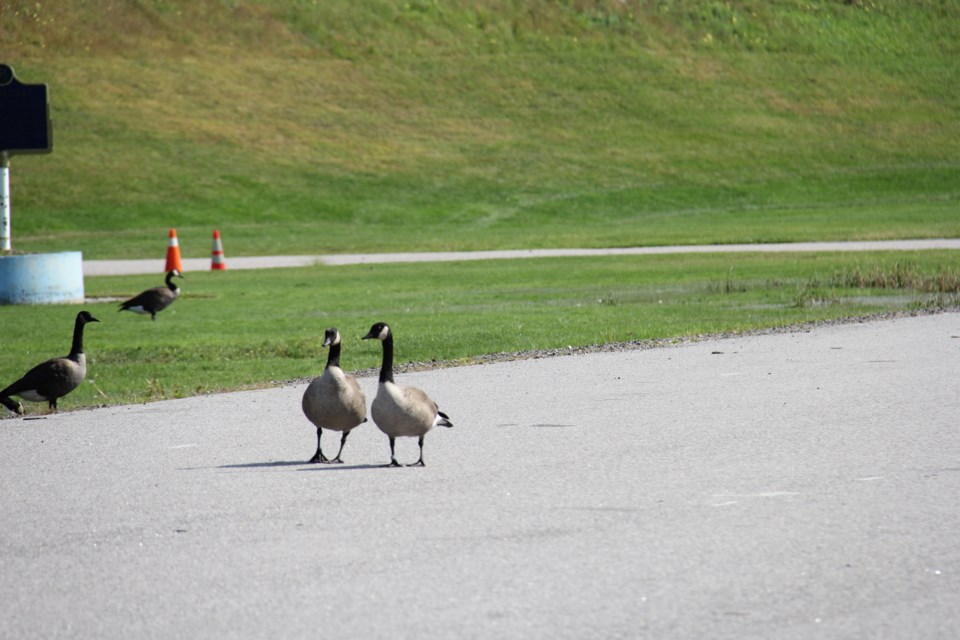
(55,378)
(334,400)
(401,411)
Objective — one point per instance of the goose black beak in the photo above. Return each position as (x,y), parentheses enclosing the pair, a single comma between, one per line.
(369,336)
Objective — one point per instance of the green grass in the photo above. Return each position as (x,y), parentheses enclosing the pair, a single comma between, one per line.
(241,329)
(367,125)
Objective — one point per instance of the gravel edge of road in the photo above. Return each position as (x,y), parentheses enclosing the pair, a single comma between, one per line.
(639,345)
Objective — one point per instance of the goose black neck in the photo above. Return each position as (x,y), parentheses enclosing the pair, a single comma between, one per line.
(77,348)
(386,369)
(170,284)
(333,358)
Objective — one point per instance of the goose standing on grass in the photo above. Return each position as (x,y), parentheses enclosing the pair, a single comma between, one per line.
(154,300)
(334,400)
(54,378)
(401,411)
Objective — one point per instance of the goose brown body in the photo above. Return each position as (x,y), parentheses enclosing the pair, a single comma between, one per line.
(401,411)
(334,400)
(153,301)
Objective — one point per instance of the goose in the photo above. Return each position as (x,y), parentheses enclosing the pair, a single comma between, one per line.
(334,400)
(54,378)
(401,411)
(154,300)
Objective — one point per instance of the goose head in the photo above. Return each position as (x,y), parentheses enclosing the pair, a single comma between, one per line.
(331,337)
(175,273)
(379,331)
(84,317)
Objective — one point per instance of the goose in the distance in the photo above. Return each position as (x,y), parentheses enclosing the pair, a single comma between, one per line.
(401,411)
(153,301)
(334,400)
(55,378)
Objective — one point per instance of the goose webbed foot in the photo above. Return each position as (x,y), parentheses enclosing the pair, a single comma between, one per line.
(336,460)
(393,463)
(318,458)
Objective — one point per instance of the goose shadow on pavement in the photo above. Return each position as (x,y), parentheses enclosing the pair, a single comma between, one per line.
(310,466)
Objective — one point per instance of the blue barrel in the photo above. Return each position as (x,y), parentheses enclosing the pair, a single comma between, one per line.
(42,278)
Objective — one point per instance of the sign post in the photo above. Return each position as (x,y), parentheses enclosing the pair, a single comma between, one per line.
(4,201)
(24,128)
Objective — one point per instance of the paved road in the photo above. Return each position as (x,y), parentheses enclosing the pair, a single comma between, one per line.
(800,485)
(132,267)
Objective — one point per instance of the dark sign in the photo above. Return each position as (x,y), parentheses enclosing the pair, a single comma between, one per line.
(24,116)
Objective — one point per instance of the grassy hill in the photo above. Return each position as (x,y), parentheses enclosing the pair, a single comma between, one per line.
(370,125)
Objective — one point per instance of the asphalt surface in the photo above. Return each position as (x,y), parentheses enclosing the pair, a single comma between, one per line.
(134,267)
(796,485)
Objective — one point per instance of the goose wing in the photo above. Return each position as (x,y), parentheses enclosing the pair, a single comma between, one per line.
(53,378)
(357,393)
(419,402)
(427,410)
(156,298)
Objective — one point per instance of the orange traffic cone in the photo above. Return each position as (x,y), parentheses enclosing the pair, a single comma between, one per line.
(173,253)
(217,263)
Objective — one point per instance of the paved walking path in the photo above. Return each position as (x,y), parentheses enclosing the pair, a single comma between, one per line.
(131,267)
(787,486)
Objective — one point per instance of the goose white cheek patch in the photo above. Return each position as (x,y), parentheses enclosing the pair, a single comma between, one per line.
(384,333)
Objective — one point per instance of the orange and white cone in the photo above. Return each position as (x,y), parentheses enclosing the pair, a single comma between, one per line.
(173,253)
(217,262)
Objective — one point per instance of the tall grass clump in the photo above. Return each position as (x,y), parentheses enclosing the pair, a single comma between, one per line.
(901,275)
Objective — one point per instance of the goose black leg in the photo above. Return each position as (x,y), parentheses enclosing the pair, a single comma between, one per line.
(318,456)
(337,460)
(419,463)
(393,456)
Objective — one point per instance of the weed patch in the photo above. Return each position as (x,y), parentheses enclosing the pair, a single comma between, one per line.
(901,275)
